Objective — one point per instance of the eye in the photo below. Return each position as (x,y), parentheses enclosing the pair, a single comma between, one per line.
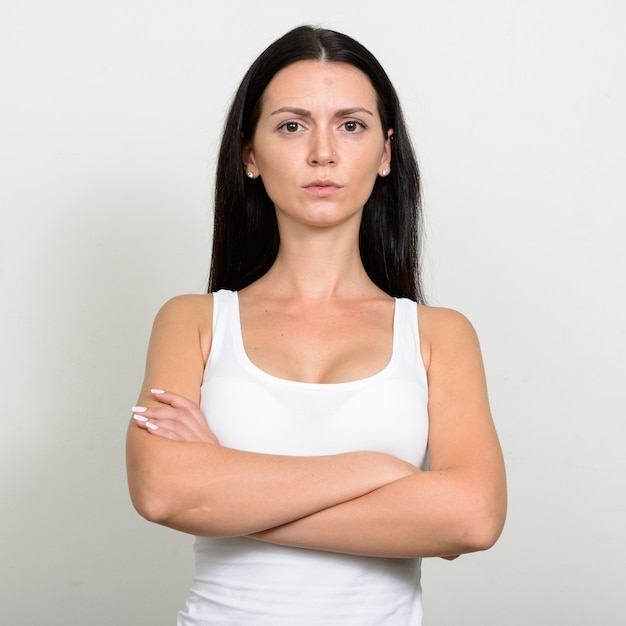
(290,127)
(353,126)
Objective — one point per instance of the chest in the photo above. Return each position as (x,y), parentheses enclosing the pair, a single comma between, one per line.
(319,346)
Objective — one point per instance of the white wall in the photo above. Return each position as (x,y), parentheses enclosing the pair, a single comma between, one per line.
(109,118)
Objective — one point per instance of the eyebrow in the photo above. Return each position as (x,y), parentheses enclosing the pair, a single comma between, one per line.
(305,113)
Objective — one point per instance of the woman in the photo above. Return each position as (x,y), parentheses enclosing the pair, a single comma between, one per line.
(286,415)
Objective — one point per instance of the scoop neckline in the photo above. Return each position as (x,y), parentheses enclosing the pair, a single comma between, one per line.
(255,369)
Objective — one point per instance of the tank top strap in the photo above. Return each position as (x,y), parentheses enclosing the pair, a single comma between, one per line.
(225,316)
(407,338)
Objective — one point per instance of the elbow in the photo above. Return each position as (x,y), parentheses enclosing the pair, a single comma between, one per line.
(153,496)
(485,526)
(483,536)
(152,512)
(167,506)
(147,486)
(149,504)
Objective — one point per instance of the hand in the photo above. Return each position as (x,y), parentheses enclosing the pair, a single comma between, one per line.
(179,419)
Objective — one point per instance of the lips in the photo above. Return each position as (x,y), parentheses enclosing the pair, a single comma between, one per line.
(322,187)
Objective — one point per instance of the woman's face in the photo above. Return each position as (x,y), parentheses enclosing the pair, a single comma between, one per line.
(319,144)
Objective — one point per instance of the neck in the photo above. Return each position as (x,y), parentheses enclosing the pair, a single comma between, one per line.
(317,267)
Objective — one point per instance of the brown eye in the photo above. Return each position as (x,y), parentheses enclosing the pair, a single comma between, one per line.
(290,127)
(353,126)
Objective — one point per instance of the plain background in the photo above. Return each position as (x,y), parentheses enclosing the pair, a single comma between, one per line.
(110,117)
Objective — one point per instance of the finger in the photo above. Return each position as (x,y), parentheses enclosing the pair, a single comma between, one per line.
(168,429)
(180,402)
(191,416)
(173,399)
(140,420)
(173,423)
(179,431)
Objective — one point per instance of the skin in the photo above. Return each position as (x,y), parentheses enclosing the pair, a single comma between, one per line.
(316,317)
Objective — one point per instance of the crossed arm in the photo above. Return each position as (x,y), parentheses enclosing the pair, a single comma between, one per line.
(359,502)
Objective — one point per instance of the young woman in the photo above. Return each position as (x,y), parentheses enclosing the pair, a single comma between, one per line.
(286,415)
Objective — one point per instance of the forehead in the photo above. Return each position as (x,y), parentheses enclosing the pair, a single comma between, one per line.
(306,83)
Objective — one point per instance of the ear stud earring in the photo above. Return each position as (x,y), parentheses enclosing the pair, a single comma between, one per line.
(250,175)
(385,172)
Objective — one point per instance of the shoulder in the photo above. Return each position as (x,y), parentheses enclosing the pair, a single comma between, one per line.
(444,331)
(188,315)
(439,320)
(187,307)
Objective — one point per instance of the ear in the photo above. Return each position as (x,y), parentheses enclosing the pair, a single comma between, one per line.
(385,162)
(249,164)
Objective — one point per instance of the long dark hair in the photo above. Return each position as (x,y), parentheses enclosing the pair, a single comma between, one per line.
(245,232)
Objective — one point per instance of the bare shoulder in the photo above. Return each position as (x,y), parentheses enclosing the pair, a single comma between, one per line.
(179,347)
(435,321)
(444,330)
(188,305)
(188,314)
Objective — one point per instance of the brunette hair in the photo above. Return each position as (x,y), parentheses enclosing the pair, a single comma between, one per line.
(245,231)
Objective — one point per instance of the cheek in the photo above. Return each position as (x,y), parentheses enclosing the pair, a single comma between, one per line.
(272,159)
(365,178)
(275,180)
(277,169)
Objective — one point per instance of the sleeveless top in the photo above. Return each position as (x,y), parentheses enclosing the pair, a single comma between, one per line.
(245,582)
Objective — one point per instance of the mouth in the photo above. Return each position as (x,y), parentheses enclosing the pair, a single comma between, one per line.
(322,187)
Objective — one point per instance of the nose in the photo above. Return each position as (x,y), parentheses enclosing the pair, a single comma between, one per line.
(322,151)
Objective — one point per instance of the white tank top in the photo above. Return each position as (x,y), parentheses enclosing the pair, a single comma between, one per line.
(244,582)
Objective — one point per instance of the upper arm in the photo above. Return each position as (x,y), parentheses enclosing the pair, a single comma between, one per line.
(179,347)
(177,352)
(462,435)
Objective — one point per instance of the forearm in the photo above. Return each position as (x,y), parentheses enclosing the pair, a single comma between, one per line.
(427,514)
(207,489)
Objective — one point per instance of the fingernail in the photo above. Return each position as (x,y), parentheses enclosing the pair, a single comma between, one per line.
(140,418)
(138,409)
(151,426)
(157,391)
